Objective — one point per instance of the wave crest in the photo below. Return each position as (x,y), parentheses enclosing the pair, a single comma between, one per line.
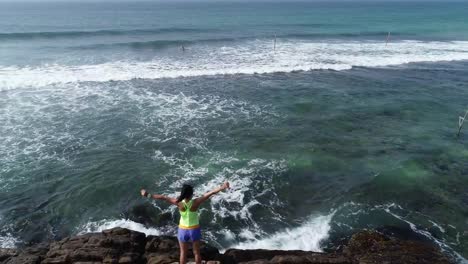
(243,58)
(99,226)
(308,236)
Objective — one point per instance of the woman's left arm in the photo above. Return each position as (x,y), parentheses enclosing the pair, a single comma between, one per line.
(159,197)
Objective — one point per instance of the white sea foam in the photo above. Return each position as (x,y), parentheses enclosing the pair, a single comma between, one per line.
(99,226)
(250,180)
(248,184)
(441,229)
(35,126)
(243,58)
(308,236)
(8,241)
(442,244)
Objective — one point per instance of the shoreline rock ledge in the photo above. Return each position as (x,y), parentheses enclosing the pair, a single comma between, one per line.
(123,246)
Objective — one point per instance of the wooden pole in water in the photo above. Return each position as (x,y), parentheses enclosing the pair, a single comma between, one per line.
(388,38)
(274,43)
(461,120)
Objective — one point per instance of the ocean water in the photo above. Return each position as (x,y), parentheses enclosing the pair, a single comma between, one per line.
(333,129)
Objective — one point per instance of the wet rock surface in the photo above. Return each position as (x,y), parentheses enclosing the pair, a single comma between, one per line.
(121,245)
(373,247)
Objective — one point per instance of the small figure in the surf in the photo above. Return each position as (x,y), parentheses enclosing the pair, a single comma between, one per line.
(189,227)
(182,48)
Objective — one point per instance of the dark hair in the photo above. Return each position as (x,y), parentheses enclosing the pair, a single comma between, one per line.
(185,193)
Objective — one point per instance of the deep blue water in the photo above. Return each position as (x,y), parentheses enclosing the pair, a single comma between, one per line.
(327,118)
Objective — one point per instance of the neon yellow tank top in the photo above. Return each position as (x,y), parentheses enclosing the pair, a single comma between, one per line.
(188,219)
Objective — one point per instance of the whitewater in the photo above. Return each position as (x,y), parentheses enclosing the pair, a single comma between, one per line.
(329,131)
(248,57)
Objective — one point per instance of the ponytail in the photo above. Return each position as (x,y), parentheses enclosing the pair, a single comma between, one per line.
(185,193)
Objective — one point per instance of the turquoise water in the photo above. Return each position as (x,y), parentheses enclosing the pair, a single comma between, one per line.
(331,131)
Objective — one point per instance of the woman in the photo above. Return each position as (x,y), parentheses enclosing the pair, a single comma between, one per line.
(189,228)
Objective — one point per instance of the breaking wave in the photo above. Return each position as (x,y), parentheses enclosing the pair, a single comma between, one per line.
(308,236)
(99,226)
(248,57)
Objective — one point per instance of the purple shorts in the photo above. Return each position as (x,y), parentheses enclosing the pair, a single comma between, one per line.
(189,235)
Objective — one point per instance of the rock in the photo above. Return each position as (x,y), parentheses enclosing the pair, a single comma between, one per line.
(116,245)
(30,255)
(161,244)
(24,259)
(372,247)
(169,247)
(240,255)
(7,253)
(161,250)
(158,258)
(312,258)
(122,246)
(258,261)
(261,256)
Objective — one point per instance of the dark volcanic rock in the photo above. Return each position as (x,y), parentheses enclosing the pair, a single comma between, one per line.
(258,256)
(239,255)
(7,253)
(312,258)
(165,249)
(372,247)
(116,245)
(120,245)
(24,259)
(162,250)
(30,255)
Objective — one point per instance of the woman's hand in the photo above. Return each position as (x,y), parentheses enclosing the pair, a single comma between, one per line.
(144,193)
(207,195)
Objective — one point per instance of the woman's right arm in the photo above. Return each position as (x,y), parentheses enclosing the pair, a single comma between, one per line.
(197,202)
(159,197)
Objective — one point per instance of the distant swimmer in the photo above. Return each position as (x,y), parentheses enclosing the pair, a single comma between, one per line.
(183,48)
(189,227)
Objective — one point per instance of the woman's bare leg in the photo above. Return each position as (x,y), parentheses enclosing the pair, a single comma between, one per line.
(183,252)
(196,251)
